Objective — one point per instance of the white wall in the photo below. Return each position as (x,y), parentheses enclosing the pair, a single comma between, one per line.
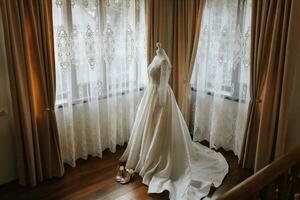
(8,160)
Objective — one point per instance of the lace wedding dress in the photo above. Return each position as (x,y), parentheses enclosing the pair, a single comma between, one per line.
(160,148)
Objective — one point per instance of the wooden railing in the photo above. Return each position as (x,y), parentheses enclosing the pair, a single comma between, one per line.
(275,181)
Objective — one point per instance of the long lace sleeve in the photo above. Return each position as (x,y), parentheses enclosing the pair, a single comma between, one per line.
(163,84)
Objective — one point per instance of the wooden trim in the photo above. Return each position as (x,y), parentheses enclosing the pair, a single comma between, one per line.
(230,98)
(254,184)
(86,99)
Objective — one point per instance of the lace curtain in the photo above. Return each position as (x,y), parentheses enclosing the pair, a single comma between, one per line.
(100,54)
(221,74)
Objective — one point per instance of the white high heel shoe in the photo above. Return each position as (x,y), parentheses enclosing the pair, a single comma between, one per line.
(120,171)
(128,176)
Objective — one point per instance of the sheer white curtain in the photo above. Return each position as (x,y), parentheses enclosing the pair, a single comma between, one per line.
(100,54)
(221,74)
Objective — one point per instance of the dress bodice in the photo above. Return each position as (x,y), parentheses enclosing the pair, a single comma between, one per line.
(154,69)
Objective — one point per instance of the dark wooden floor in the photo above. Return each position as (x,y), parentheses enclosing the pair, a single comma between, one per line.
(94,179)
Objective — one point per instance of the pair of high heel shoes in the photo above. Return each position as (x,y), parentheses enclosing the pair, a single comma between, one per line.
(124,175)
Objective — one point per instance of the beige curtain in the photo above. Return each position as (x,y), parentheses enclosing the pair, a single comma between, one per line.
(159,26)
(30,55)
(187,25)
(176,24)
(274,48)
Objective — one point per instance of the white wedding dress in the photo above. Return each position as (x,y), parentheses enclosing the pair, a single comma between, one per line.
(160,148)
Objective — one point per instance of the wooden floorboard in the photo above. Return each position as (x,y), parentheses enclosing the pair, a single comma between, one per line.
(94,179)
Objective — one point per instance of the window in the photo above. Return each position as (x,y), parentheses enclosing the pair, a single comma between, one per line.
(100,48)
(223,56)
(221,74)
